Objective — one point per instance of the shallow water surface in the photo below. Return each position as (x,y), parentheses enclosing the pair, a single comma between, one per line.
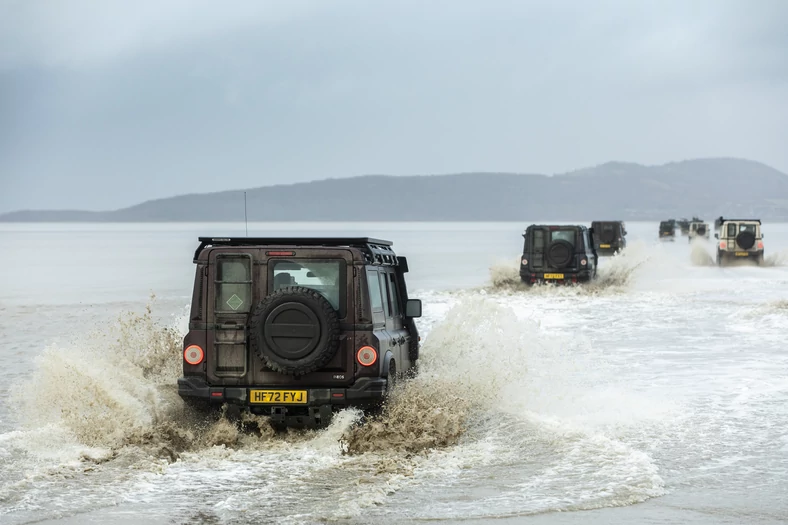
(657,394)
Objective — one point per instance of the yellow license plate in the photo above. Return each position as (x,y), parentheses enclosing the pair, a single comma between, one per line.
(604,246)
(742,254)
(553,276)
(288,397)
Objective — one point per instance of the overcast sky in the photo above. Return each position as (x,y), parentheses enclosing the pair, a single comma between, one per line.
(107,103)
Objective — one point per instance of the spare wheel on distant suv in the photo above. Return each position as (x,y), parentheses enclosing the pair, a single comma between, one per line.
(607,236)
(294,331)
(746,240)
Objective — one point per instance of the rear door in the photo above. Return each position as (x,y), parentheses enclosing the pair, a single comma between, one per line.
(331,273)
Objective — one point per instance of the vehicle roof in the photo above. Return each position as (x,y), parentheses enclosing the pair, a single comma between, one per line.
(741,220)
(557,226)
(377,250)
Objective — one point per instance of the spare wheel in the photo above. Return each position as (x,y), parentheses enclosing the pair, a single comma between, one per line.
(559,253)
(294,331)
(745,239)
(607,236)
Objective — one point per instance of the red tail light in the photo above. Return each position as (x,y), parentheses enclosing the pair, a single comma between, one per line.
(723,244)
(193,355)
(760,245)
(367,356)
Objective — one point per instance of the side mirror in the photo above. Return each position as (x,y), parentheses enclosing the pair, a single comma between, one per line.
(716,235)
(413,308)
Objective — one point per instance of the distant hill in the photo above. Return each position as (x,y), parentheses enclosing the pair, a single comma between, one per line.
(616,190)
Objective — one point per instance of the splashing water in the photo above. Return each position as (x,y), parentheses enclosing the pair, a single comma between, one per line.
(114,388)
(613,274)
(699,254)
(474,390)
(776,259)
(456,378)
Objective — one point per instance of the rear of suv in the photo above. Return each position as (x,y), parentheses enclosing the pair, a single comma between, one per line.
(698,229)
(609,237)
(558,254)
(739,240)
(297,328)
(667,230)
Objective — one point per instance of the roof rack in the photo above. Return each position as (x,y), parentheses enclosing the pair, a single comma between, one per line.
(721,220)
(376,251)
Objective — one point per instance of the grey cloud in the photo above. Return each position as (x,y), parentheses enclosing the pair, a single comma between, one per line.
(208,98)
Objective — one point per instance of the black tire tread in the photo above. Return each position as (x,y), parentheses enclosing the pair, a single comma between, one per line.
(314,361)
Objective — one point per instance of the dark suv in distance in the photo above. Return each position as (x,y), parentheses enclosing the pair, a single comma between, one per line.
(667,230)
(296,328)
(610,237)
(559,254)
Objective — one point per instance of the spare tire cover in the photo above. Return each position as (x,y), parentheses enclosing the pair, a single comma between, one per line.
(702,229)
(294,331)
(559,253)
(745,239)
(607,236)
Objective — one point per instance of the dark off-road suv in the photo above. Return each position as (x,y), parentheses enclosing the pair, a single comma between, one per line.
(667,230)
(559,254)
(294,328)
(609,237)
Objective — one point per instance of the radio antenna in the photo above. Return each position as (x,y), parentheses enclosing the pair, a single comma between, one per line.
(246,221)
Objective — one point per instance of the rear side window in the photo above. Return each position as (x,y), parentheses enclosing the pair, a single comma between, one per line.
(233,283)
(394,295)
(375,295)
(732,230)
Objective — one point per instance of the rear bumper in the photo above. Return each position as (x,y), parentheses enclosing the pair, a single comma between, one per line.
(740,255)
(568,276)
(609,249)
(321,402)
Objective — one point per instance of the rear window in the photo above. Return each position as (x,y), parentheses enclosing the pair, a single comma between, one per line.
(542,237)
(732,230)
(563,235)
(323,276)
(747,228)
